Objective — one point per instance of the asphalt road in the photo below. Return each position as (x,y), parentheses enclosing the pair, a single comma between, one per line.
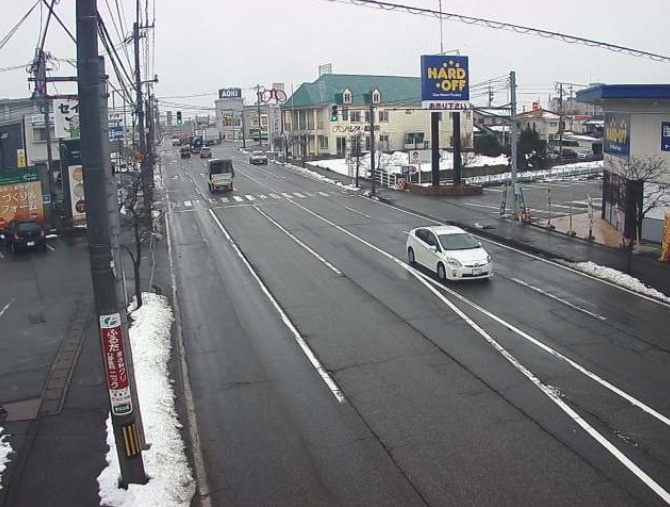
(324,371)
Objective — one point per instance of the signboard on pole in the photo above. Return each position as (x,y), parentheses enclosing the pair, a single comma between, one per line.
(66,118)
(274,123)
(21,158)
(665,136)
(116,366)
(230,93)
(617,134)
(20,196)
(445,82)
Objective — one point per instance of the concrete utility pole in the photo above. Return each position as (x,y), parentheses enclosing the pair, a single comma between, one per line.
(373,171)
(101,210)
(515,139)
(560,122)
(40,71)
(145,168)
(260,129)
(458,161)
(434,149)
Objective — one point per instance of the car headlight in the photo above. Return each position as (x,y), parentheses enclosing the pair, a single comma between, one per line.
(488,259)
(452,261)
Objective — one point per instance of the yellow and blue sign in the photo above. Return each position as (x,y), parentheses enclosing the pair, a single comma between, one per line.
(665,136)
(617,134)
(445,82)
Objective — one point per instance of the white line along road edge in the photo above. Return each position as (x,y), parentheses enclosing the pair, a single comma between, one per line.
(325,376)
(549,392)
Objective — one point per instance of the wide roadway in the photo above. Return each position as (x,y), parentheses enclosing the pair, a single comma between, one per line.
(325,371)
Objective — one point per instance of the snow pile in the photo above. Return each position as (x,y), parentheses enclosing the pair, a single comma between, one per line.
(316,176)
(5,450)
(171,483)
(618,278)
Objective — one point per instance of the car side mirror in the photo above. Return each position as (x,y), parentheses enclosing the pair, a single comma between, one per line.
(433,248)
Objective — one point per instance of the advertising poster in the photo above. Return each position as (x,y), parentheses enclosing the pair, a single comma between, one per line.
(116,370)
(20,197)
(445,82)
(77,201)
(665,245)
(617,134)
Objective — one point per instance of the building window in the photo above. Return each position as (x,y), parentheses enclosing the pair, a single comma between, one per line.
(367,143)
(376,97)
(367,116)
(355,117)
(345,114)
(346,97)
(323,142)
(414,138)
(384,142)
(341,145)
(40,135)
(383,116)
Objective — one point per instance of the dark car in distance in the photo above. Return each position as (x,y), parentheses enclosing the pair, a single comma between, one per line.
(25,234)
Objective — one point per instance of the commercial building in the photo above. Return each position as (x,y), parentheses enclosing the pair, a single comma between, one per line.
(330,115)
(637,133)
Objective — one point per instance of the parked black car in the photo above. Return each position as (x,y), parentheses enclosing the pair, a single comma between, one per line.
(25,234)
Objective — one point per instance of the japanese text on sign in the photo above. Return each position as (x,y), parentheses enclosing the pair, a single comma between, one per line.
(116,369)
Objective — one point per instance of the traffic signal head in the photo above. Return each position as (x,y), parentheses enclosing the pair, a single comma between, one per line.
(178,117)
(333,112)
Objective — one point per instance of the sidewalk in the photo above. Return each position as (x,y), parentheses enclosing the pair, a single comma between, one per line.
(537,239)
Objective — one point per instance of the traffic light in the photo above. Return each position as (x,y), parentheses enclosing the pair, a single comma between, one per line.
(333,112)
(178,117)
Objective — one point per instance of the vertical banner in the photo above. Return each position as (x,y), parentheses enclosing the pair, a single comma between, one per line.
(66,118)
(116,369)
(75,175)
(665,245)
(617,134)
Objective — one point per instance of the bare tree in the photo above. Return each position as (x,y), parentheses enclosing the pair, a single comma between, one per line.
(136,221)
(644,185)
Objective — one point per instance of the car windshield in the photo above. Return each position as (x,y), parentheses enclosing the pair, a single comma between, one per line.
(220,167)
(460,241)
(257,153)
(28,227)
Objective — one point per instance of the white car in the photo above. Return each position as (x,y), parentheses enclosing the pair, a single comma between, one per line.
(258,157)
(450,251)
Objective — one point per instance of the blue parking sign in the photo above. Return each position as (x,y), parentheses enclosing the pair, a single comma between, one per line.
(665,136)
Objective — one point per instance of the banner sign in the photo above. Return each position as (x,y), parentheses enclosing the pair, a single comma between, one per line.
(116,369)
(66,118)
(665,136)
(21,200)
(77,201)
(445,82)
(617,134)
(230,93)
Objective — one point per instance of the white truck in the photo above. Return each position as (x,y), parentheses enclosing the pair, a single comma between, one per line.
(221,174)
(210,136)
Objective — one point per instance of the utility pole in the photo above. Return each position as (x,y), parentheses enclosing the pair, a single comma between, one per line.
(560,121)
(434,149)
(456,134)
(100,189)
(260,129)
(145,168)
(373,172)
(490,96)
(515,139)
(44,103)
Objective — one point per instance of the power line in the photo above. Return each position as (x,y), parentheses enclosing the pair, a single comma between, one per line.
(9,35)
(67,30)
(119,32)
(498,25)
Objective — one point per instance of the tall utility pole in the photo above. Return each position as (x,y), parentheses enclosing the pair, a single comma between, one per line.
(515,139)
(490,96)
(260,129)
(458,161)
(40,72)
(434,148)
(100,189)
(373,172)
(145,168)
(560,121)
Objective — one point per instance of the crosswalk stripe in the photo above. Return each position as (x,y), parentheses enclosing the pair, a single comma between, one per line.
(250,197)
(324,194)
(310,194)
(298,194)
(238,198)
(224,200)
(262,196)
(188,204)
(275,196)
(287,195)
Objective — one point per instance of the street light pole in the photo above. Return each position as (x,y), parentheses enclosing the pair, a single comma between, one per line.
(101,214)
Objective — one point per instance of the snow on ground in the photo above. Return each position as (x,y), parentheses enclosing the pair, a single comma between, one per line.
(618,278)
(5,450)
(165,462)
(316,176)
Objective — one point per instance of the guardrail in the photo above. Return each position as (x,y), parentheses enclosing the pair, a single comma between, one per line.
(526,176)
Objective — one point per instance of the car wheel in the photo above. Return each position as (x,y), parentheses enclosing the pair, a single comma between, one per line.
(410,256)
(441,273)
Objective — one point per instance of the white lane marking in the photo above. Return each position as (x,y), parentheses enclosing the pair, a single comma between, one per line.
(6,307)
(299,242)
(324,194)
(526,254)
(359,212)
(325,376)
(274,175)
(262,196)
(211,201)
(250,197)
(287,195)
(198,459)
(556,298)
(188,204)
(51,248)
(275,196)
(298,194)
(238,198)
(224,199)
(548,391)
(310,194)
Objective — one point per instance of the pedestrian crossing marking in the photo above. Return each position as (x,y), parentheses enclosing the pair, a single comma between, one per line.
(298,194)
(224,200)
(310,194)
(275,196)
(238,198)
(262,196)
(324,194)
(287,195)
(188,204)
(250,197)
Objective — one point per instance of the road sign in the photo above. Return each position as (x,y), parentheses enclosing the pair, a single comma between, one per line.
(14,177)
(116,367)
(46,199)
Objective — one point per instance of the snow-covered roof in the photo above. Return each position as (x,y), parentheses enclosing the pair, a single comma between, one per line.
(499,128)
(539,113)
(582,137)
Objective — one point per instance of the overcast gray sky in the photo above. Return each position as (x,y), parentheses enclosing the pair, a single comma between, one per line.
(204,45)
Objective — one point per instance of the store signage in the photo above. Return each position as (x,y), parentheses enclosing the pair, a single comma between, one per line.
(230,93)
(665,136)
(66,118)
(445,82)
(116,366)
(617,134)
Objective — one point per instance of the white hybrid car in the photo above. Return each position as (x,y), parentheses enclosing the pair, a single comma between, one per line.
(449,251)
